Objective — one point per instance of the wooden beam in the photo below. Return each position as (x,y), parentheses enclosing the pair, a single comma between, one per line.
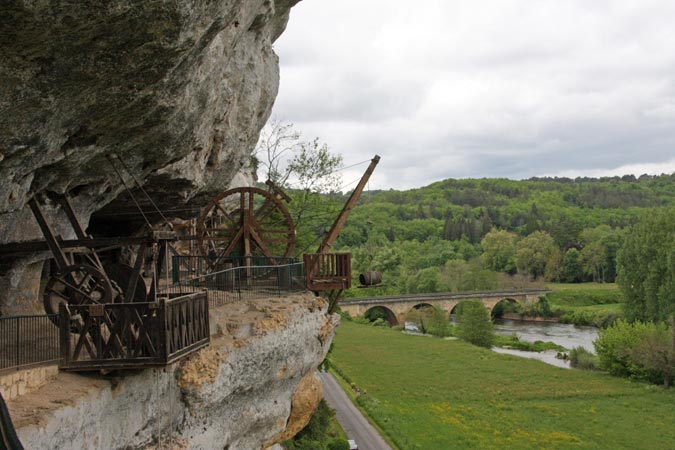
(334,231)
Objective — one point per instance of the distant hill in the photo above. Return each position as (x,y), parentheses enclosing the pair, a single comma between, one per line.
(451,208)
(429,239)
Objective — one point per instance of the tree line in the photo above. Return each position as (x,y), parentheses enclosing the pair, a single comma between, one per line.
(487,233)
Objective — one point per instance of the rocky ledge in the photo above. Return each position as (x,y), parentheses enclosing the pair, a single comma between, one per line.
(253,387)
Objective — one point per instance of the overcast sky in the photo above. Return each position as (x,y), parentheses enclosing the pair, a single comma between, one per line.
(483,88)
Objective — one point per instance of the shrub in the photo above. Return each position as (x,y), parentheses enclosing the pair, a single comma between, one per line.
(361,320)
(338,444)
(379,322)
(431,320)
(315,434)
(614,346)
(344,315)
(580,358)
(475,325)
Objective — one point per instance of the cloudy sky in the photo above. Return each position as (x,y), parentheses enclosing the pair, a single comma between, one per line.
(483,88)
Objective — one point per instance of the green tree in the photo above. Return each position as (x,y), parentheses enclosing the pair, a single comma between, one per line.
(612,243)
(453,275)
(535,252)
(425,281)
(646,266)
(615,344)
(655,350)
(474,325)
(430,320)
(571,269)
(499,251)
(315,434)
(306,169)
(600,245)
(594,260)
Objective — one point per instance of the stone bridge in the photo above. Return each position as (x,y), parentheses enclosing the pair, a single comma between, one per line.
(397,307)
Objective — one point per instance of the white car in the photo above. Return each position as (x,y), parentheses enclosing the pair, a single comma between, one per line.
(352,445)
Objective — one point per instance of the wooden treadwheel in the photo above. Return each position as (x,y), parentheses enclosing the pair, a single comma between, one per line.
(245,223)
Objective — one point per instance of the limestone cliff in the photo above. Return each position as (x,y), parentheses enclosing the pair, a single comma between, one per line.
(176,90)
(253,387)
(172,95)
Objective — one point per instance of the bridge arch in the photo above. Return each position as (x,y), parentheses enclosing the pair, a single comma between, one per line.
(456,308)
(384,312)
(422,306)
(504,305)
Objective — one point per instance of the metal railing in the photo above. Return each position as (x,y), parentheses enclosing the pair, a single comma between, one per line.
(193,266)
(243,282)
(26,341)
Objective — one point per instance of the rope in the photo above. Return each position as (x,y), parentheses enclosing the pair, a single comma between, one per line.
(119,175)
(353,165)
(144,192)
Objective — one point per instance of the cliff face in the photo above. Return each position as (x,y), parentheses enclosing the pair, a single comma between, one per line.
(178,90)
(254,386)
(170,94)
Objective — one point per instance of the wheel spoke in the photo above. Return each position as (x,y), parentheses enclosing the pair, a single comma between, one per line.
(222,232)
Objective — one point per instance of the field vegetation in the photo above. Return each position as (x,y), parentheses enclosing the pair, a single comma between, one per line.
(439,394)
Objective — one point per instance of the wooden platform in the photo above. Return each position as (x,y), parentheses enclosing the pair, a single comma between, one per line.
(328,271)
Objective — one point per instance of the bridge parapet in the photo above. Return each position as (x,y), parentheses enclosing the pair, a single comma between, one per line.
(398,306)
(420,298)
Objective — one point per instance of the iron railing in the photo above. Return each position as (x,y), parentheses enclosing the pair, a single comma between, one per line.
(243,282)
(26,341)
(132,335)
(187,267)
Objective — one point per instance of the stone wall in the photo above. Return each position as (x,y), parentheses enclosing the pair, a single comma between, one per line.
(21,382)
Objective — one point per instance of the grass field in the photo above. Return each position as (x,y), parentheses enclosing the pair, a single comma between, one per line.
(435,394)
(586,303)
(583,294)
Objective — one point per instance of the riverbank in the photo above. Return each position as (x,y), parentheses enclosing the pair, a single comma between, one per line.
(440,394)
(591,304)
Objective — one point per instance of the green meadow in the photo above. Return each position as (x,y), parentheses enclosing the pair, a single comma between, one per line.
(435,394)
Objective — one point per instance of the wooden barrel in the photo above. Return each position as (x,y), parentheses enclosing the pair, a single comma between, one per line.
(370,278)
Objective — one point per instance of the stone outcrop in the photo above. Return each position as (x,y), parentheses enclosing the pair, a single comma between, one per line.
(178,90)
(253,387)
(172,94)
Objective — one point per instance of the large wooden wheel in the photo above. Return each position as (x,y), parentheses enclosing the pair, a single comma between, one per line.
(79,284)
(245,222)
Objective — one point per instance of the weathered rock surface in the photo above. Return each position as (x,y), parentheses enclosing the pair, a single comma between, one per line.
(246,392)
(178,91)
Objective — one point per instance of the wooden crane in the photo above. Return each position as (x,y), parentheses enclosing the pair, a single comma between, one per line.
(331,272)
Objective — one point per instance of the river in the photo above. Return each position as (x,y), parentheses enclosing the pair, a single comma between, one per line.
(569,336)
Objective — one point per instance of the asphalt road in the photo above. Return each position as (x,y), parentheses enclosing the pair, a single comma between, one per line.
(352,421)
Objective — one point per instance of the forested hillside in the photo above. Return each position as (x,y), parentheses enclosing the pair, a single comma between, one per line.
(488,233)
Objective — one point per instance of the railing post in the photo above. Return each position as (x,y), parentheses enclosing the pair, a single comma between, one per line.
(18,323)
(163,334)
(175,268)
(64,334)
(239,282)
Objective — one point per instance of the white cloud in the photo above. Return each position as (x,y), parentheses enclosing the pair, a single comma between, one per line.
(482,88)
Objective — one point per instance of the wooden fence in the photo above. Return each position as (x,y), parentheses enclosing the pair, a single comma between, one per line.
(328,271)
(132,335)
